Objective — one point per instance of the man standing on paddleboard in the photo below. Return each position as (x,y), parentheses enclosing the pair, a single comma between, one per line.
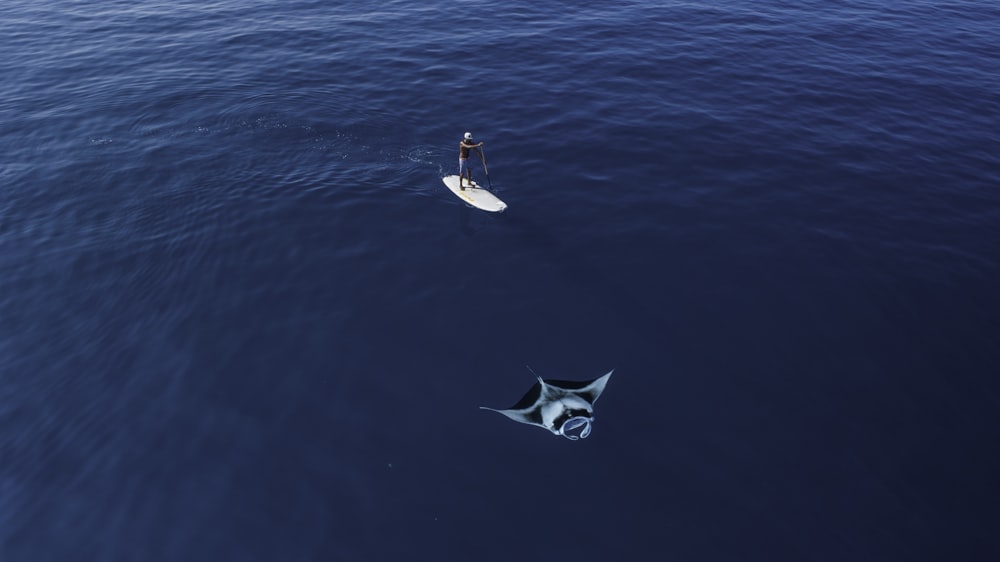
(463,159)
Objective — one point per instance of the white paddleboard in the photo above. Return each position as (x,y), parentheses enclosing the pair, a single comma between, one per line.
(475,195)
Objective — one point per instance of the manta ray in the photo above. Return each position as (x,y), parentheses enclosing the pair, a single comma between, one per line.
(563,407)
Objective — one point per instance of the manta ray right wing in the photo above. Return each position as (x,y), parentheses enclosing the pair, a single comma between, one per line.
(588,390)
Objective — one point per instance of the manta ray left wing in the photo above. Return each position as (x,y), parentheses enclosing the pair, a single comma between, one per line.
(528,409)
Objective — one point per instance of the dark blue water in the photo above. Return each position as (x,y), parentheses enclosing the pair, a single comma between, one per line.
(241,318)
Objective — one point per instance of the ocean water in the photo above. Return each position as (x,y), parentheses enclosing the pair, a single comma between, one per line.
(241,317)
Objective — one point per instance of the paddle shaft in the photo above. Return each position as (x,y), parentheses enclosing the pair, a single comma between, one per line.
(482,156)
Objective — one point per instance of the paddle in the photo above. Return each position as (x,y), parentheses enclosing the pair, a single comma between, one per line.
(482,156)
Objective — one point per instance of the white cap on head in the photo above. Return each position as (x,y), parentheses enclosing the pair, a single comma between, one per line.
(468,136)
